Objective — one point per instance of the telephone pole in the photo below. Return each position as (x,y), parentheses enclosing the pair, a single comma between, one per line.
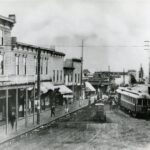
(82,51)
(147,47)
(123,77)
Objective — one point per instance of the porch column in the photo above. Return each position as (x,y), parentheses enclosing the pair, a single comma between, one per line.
(16,109)
(33,104)
(26,115)
(6,111)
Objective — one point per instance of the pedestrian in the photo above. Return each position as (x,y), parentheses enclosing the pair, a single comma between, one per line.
(12,119)
(53,111)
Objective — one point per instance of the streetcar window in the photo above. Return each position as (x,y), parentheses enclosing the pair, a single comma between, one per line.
(144,102)
(148,102)
(139,102)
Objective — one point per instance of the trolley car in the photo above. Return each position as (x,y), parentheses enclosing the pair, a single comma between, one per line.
(135,102)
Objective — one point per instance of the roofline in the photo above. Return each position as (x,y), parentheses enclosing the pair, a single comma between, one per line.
(41,48)
(76,59)
(7,19)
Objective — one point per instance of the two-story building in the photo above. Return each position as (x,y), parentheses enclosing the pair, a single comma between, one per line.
(18,74)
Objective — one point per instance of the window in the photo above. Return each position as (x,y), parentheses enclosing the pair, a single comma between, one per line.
(24,65)
(1,64)
(144,102)
(57,75)
(36,65)
(61,75)
(46,65)
(78,78)
(17,65)
(75,77)
(1,37)
(53,75)
(139,102)
(41,65)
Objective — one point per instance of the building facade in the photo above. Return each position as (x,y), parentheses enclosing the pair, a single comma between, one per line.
(19,68)
(72,75)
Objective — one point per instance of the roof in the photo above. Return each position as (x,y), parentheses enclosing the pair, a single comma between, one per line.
(52,51)
(7,19)
(136,92)
(76,59)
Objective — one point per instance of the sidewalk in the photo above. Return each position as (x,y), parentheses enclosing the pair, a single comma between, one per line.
(45,117)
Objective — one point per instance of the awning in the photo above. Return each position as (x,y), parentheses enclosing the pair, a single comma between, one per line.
(67,96)
(45,86)
(63,89)
(89,87)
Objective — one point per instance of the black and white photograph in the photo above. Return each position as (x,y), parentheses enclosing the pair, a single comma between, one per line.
(74,74)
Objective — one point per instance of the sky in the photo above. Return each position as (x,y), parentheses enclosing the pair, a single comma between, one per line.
(113,31)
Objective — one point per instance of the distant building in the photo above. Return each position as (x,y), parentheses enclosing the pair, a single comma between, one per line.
(72,75)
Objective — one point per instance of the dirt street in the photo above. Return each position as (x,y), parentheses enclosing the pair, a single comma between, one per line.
(80,132)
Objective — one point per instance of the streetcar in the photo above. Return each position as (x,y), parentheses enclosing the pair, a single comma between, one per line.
(134,101)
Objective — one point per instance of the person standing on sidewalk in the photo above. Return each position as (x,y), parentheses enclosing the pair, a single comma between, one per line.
(53,111)
(12,119)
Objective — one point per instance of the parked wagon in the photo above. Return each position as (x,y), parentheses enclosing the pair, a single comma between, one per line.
(100,112)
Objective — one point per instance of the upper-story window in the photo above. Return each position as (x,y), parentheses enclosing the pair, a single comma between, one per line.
(41,65)
(36,65)
(25,65)
(1,37)
(1,64)
(75,77)
(46,65)
(53,75)
(78,78)
(57,75)
(61,75)
(17,65)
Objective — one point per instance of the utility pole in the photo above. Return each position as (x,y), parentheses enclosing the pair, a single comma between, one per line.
(147,47)
(82,62)
(109,79)
(82,51)
(123,77)
(38,85)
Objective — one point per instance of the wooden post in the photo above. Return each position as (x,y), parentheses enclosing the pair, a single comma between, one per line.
(33,104)
(6,111)
(16,109)
(26,115)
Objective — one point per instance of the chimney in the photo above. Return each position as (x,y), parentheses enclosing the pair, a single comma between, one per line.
(12,17)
